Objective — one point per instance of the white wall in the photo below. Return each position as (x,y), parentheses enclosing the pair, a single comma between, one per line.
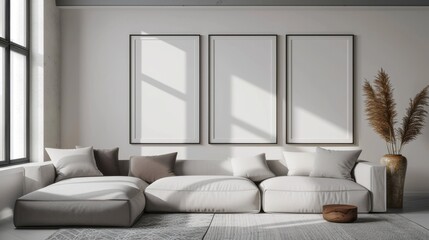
(52,53)
(45,78)
(95,70)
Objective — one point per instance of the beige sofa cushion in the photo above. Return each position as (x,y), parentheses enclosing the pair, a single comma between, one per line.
(89,201)
(203,194)
(307,194)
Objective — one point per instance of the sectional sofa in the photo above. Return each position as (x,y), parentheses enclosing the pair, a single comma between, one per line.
(200,186)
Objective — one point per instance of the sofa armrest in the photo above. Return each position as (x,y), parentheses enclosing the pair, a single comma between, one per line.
(373,177)
(38,175)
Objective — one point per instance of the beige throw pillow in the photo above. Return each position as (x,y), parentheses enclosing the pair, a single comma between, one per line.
(254,168)
(299,163)
(72,163)
(334,164)
(152,168)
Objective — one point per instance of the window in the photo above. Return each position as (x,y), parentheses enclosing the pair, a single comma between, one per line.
(14,81)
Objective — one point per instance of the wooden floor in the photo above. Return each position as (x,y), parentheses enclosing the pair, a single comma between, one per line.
(416,209)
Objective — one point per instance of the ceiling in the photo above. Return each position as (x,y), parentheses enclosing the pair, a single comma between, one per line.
(70,3)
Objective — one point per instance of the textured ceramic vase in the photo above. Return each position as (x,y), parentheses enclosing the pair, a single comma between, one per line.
(396,167)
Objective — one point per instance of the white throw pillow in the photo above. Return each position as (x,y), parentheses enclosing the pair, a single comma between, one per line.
(71,163)
(334,164)
(299,163)
(254,168)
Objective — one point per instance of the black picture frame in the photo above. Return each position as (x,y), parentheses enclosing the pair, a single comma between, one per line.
(130,89)
(210,87)
(352,86)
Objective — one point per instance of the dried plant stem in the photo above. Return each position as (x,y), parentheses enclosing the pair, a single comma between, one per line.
(388,148)
(393,143)
(414,119)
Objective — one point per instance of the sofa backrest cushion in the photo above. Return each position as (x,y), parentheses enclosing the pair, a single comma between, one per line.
(299,163)
(209,167)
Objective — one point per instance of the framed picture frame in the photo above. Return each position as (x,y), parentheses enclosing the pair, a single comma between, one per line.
(243,89)
(320,91)
(165,89)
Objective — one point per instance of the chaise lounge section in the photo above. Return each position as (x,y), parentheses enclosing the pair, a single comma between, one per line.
(86,201)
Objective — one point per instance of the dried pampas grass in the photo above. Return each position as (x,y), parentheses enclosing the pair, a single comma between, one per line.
(380,108)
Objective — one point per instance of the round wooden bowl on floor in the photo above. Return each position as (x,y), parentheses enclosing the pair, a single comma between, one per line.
(340,213)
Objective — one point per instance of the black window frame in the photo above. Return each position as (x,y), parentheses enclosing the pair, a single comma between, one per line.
(10,46)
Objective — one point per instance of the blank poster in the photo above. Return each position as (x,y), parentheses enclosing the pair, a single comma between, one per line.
(165,83)
(319,89)
(243,82)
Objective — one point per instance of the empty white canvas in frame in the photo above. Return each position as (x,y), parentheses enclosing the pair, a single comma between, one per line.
(319,89)
(243,82)
(165,83)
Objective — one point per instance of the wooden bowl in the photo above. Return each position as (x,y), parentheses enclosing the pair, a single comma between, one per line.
(340,213)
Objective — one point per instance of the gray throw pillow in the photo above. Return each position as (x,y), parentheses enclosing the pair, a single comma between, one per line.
(334,164)
(152,168)
(72,163)
(254,168)
(107,161)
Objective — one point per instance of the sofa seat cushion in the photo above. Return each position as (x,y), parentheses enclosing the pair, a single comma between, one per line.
(203,194)
(307,194)
(87,201)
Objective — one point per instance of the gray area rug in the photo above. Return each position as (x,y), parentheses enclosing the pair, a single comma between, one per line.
(312,226)
(253,226)
(149,226)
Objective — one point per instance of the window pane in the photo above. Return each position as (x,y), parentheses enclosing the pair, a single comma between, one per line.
(2,18)
(18,22)
(18,108)
(2,105)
